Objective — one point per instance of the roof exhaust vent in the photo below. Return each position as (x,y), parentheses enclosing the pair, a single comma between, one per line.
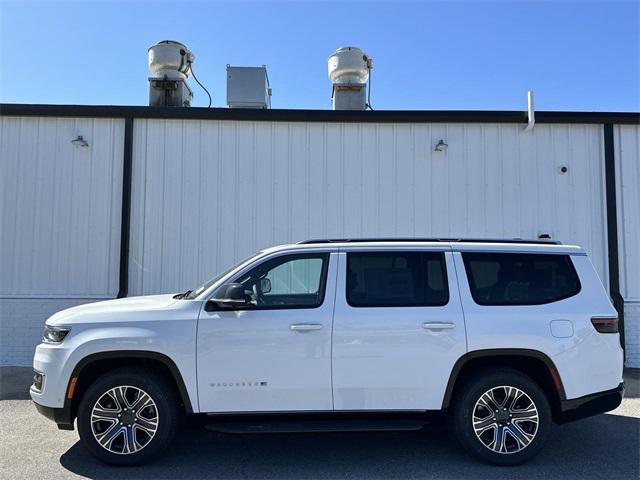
(349,72)
(170,65)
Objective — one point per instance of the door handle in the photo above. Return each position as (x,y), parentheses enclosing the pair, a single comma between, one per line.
(438,326)
(305,327)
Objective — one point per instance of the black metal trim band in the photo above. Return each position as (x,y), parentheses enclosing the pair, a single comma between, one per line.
(342,116)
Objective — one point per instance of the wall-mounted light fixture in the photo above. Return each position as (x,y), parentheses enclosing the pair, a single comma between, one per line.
(440,146)
(79,142)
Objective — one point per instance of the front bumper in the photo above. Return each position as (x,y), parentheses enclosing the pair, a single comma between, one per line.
(62,416)
(590,405)
(54,363)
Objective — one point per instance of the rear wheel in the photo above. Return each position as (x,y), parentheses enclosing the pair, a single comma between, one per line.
(127,416)
(502,417)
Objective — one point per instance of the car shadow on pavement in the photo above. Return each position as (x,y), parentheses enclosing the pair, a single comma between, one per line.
(605,446)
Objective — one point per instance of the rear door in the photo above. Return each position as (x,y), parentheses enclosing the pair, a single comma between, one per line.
(398,329)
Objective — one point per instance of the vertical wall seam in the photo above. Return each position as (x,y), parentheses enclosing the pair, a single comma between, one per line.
(201,161)
(125,225)
(612,227)
(69,211)
(143,207)
(54,194)
(183,187)
(107,217)
(37,195)
(16,217)
(87,250)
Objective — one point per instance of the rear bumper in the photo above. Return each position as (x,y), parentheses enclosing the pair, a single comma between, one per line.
(62,416)
(590,405)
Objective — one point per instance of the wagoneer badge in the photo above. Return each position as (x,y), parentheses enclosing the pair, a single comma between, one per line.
(238,384)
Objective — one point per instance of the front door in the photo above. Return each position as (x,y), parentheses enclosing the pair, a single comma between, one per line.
(274,354)
(398,329)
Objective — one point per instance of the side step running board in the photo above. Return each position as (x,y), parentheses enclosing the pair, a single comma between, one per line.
(313,426)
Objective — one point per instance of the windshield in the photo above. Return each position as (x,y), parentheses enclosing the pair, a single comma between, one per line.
(198,291)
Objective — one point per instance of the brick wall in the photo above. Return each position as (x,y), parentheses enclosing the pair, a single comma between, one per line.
(21,324)
(632,333)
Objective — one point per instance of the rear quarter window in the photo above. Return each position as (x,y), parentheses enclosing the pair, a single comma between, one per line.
(520,278)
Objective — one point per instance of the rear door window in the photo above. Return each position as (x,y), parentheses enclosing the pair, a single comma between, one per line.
(396,279)
(520,278)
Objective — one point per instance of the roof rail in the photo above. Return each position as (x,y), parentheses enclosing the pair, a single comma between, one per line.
(542,241)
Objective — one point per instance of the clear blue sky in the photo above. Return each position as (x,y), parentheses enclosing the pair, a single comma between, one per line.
(428,55)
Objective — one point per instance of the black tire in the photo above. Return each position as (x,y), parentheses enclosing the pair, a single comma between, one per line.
(483,446)
(165,409)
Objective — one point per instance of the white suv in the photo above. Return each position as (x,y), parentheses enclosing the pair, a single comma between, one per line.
(506,336)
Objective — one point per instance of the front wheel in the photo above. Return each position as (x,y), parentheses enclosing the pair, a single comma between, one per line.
(502,417)
(127,416)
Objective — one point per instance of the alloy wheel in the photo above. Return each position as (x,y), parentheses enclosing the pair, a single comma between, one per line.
(505,419)
(124,420)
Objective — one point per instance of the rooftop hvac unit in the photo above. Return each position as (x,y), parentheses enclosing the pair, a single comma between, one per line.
(248,87)
(349,69)
(170,65)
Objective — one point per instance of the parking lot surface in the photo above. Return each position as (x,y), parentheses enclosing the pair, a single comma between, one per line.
(604,447)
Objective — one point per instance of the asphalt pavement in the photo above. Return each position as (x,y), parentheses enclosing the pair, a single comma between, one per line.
(605,447)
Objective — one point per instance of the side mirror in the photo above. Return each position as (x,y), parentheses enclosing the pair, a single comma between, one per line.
(265,285)
(230,295)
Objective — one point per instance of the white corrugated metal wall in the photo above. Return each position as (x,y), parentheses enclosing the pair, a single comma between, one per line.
(206,193)
(627,153)
(60,216)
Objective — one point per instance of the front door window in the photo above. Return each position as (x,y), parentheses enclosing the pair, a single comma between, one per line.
(290,281)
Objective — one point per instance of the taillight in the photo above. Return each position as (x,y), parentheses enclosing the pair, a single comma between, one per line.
(605,324)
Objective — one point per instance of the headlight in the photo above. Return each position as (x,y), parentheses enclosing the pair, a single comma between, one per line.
(54,334)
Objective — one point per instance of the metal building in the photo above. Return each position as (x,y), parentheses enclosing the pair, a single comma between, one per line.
(160,199)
